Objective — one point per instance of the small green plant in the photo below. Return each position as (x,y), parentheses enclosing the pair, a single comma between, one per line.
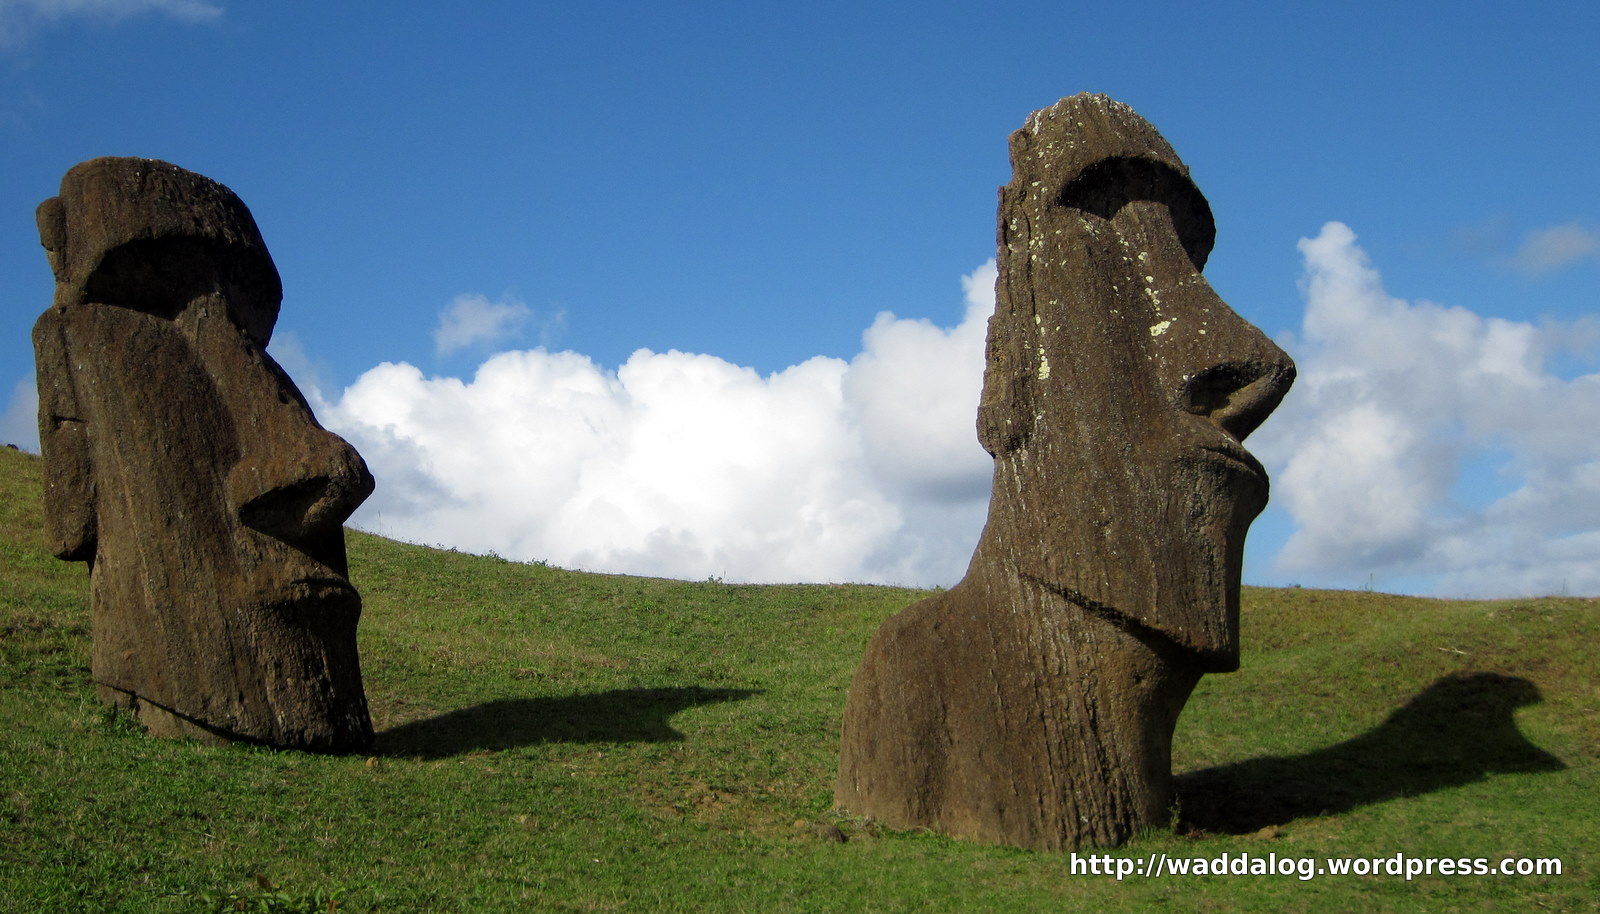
(114,720)
(271,899)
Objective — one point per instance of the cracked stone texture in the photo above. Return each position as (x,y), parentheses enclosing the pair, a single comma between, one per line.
(1033,704)
(182,464)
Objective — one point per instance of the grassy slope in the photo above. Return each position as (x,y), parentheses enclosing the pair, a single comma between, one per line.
(553,740)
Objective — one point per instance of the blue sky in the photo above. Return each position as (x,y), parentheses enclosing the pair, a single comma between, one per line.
(483,214)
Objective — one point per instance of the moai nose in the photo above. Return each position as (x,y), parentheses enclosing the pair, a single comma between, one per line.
(1239,395)
(1229,372)
(300,503)
(1212,362)
(295,480)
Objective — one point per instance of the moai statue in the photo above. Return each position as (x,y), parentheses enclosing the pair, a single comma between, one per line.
(183,466)
(1033,704)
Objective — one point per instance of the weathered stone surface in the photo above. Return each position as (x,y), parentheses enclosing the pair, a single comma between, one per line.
(185,468)
(1033,704)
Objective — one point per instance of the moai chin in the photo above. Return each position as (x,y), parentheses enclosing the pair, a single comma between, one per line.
(1033,704)
(183,466)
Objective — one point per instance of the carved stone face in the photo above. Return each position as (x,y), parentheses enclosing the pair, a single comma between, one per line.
(185,467)
(1119,385)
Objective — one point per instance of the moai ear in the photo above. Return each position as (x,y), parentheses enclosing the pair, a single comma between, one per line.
(69,489)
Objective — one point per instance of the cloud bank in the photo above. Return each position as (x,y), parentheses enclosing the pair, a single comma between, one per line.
(1428,440)
(686,465)
(1421,442)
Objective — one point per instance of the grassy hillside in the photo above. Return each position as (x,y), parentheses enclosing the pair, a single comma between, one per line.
(553,740)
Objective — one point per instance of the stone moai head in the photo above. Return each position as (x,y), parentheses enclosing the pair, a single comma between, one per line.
(1119,385)
(1034,702)
(186,469)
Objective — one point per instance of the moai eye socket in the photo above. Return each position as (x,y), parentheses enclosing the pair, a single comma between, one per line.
(1104,188)
(161,276)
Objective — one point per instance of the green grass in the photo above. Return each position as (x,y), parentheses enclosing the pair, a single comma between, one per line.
(557,741)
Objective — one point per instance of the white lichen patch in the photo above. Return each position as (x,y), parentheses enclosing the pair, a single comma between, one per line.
(1161,328)
(1044,367)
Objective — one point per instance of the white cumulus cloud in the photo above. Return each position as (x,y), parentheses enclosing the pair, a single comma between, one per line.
(472,320)
(1429,440)
(686,465)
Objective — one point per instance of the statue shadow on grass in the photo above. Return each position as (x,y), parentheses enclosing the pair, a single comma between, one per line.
(1456,731)
(616,716)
